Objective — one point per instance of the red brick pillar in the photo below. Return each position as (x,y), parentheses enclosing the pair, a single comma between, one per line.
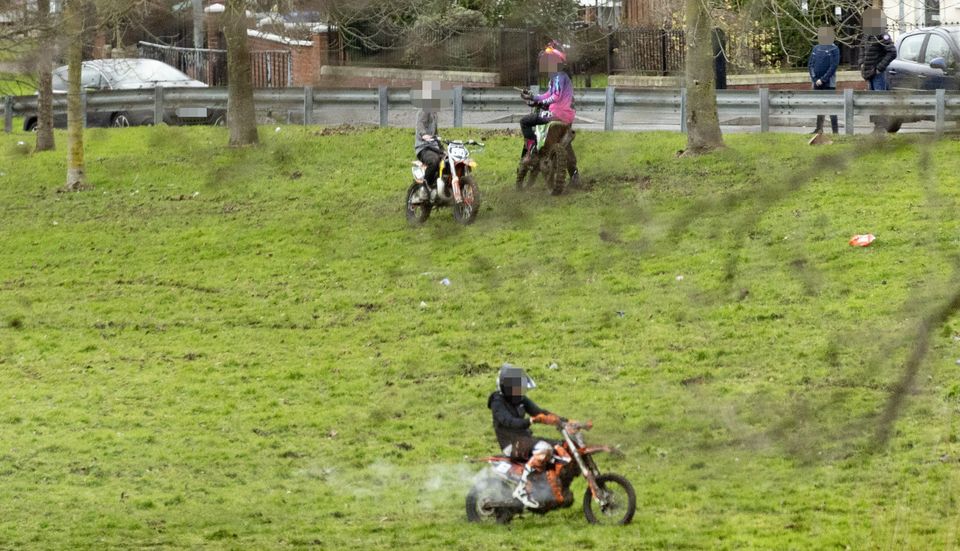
(214,21)
(100,45)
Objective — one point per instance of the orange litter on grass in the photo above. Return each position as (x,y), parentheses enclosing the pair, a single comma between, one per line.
(862,240)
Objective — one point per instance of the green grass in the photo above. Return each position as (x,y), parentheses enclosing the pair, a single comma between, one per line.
(16,85)
(221,348)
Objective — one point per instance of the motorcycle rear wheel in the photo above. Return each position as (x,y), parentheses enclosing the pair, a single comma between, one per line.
(621,505)
(477,506)
(466,212)
(417,213)
(557,175)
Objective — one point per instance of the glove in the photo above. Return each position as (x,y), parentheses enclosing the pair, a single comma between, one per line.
(546,419)
(525,94)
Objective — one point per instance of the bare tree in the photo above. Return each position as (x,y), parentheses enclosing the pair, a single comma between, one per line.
(198,23)
(73,22)
(241,112)
(703,123)
(45,140)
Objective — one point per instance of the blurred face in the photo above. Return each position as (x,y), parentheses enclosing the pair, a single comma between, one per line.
(825,35)
(548,64)
(513,386)
(430,97)
(873,21)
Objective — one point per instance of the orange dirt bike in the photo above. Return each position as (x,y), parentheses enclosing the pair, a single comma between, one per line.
(609,498)
(553,156)
(455,186)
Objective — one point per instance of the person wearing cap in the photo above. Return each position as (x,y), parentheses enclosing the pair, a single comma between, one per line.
(510,408)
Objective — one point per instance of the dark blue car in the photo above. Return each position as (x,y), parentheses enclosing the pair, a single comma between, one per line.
(927,59)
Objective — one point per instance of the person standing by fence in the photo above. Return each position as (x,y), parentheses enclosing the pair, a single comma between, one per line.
(824,60)
(877,53)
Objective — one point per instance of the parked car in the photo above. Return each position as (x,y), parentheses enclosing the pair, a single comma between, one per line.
(130,74)
(927,59)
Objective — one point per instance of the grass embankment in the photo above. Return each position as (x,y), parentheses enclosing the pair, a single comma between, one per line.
(250,349)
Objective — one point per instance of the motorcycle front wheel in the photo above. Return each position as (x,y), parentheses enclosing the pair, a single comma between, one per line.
(621,501)
(417,213)
(466,211)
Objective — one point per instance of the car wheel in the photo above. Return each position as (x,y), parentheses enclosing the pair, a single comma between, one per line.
(219,121)
(119,120)
(893,125)
(31,125)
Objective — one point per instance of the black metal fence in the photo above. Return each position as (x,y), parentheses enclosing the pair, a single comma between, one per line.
(205,65)
(270,69)
(475,49)
(593,52)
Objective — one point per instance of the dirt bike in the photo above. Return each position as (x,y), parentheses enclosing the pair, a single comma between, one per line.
(491,497)
(552,155)
(455,186)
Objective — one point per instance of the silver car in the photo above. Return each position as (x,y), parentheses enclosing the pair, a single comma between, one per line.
(130,74)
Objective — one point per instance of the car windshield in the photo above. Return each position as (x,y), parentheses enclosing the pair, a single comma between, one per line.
(60,81)
(136,73)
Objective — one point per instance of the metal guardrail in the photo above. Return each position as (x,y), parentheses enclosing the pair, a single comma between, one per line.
(667,103)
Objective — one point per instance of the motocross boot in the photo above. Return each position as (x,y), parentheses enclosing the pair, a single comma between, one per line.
(531,145)
(520,492)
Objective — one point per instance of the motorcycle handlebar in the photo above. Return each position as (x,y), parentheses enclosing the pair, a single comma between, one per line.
(575,425)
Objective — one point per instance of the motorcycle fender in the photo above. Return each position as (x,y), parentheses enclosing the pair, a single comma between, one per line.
(504,468)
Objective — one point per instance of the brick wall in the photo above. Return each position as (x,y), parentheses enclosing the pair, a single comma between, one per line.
(773,81)
(306,56)
(333,76)
(854,85)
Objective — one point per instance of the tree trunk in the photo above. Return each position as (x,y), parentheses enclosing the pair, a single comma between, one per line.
(45,140)
(241,114)
(703,124)
(198,23)
(73,25)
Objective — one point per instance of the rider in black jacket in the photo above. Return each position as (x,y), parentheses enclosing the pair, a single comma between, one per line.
(510,423)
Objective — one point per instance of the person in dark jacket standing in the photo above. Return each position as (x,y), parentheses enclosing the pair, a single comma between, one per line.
(876,54)
(510,408)
(824,60)
(877,50)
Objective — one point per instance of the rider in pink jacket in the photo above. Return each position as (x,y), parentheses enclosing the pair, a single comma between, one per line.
(557,100)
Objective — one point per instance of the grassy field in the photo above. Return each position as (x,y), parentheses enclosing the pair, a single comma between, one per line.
(16,85)
(249,348)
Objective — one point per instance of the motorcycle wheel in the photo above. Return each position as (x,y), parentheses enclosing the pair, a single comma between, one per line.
(621,505)
(477,506)
(557,175)
(466,212)
(417,213)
